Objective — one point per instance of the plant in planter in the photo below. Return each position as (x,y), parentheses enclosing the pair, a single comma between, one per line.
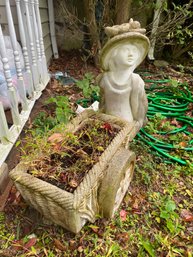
(79,170)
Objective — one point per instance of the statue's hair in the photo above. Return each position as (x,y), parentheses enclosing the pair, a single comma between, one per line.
(109,62)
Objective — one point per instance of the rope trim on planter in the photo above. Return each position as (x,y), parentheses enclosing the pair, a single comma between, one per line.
(27,184)
(93,177)
(51,200)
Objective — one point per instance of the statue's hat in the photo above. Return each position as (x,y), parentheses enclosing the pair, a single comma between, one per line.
(128,33)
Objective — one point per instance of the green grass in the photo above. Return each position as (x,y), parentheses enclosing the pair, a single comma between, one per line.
(153,225)
(154,222)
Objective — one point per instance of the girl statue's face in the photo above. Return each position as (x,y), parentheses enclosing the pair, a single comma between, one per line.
(127,55)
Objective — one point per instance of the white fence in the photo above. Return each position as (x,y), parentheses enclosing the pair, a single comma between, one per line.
(29,80)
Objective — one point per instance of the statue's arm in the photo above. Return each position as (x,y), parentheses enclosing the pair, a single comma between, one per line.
(138,100)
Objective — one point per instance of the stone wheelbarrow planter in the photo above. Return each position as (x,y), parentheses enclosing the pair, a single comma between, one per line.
(103,186)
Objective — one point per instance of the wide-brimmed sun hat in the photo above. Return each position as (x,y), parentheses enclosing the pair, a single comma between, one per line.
(135,38)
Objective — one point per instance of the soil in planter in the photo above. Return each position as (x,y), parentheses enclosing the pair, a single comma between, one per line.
(73,155)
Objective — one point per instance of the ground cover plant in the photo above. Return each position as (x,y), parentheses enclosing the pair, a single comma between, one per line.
(89,90)
(155,218)
(59,112)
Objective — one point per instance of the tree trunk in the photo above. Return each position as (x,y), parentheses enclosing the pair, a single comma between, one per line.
(89,7)
(122,11)
(106,14)
(156,19)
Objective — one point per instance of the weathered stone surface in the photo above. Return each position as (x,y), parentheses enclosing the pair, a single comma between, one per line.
(122,91)
(125,27)
(73,210)
(4,179)
(116,182)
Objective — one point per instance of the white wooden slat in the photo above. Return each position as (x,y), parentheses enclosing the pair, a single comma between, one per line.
(44,62)
(35,73)
(27,74)
(42,3)
(39,58)
(20,82)
(8,136)
(14,131)
(4,130)
(11,90)
(12,95)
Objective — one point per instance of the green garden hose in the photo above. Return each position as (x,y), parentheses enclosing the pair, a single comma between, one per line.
(163,101)
(161,151)
(174,131)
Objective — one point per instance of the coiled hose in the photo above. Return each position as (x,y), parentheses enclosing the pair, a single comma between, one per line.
(170,103)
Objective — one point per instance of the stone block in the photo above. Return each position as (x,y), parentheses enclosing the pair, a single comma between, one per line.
(4,177)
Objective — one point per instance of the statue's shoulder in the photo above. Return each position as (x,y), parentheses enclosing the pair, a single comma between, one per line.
(137,79)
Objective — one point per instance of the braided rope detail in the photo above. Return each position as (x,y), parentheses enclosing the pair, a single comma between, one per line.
(38,192)
(46,197)
(92,178)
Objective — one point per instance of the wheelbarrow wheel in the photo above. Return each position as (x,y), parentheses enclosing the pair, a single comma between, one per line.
(116,181)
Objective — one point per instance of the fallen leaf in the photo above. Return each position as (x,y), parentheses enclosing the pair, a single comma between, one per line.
(186,215)
(183,144)
(94,228)
(107,126)
(189,192)
(122,238)
(82,153)
(72,242)
(135,205)
(73,183)
(190,229)
(72,245)
(15,197)
(59,245)
(30,243)
(63,177)
(100,148)
(123,215)
(174,122)
(55,138)
(80,249)
(45,251)
(17,245)
(136,211)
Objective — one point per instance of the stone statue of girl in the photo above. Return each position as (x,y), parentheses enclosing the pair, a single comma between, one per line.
(122,90)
